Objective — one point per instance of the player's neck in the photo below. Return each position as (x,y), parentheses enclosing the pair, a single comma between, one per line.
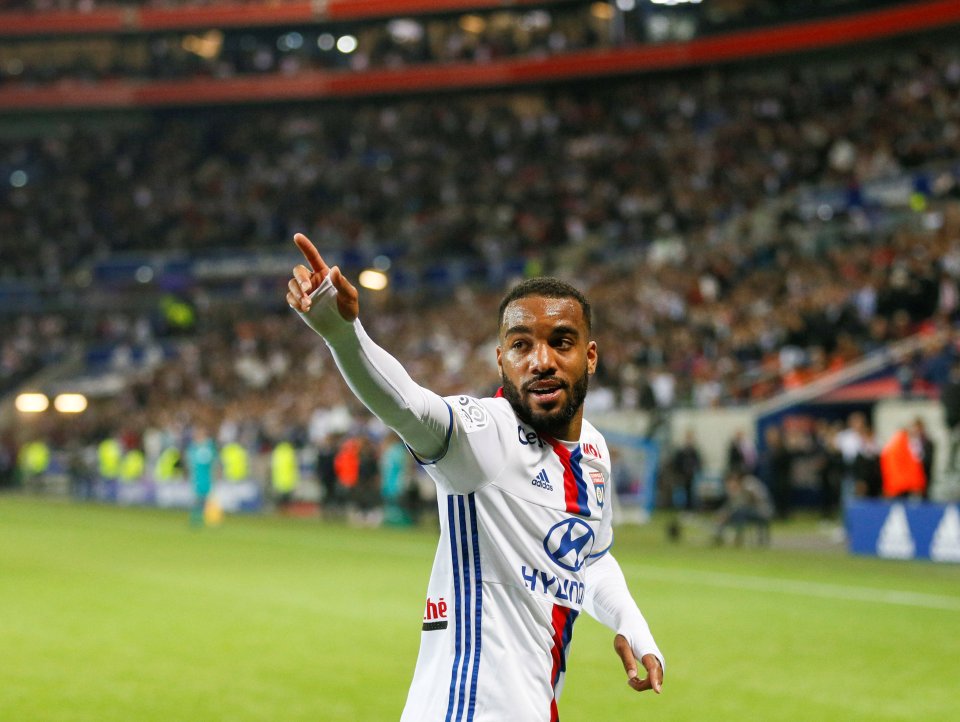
(569,435)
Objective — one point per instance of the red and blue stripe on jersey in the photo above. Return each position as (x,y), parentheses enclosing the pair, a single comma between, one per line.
(562,623)
(574,487)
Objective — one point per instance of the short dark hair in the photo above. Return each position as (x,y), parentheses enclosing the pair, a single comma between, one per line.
(546,287)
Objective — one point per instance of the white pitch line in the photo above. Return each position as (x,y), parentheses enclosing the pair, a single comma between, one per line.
(797,587)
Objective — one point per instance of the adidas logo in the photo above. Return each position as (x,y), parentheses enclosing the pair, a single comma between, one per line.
(945,546)
(895,541)
(542,481)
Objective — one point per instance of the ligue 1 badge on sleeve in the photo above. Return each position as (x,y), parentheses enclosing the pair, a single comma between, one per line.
(597,478)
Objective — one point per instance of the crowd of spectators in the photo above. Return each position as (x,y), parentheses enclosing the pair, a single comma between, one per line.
(27,344)
(707,17)
(483,36)
(380,43)
(261,377)
(655,165)
(673,201)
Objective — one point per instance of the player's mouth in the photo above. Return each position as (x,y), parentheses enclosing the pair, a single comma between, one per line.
(546,391)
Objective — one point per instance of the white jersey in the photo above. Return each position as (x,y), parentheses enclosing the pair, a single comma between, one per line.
(522,516)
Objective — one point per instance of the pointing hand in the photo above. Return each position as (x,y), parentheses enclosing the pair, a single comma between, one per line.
(305,282)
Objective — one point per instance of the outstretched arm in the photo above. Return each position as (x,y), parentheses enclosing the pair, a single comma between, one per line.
(608,601)
(330,305)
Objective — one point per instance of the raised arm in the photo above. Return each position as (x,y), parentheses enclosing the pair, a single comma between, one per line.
(608,601)
(330,305)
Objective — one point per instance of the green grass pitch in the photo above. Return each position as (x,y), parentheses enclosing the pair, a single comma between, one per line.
(127,614)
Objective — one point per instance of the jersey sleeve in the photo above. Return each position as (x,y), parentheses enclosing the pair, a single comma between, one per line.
(476,451)
(605,533)
(420,416)
(608,600)
(604,541)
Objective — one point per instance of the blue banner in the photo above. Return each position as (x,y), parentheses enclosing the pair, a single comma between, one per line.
(243,496)
(903,530)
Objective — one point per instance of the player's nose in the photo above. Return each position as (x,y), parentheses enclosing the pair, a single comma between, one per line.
(541,358)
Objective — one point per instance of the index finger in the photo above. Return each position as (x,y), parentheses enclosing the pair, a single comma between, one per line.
(310,252)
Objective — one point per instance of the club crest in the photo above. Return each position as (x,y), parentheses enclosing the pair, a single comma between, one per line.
(598,485)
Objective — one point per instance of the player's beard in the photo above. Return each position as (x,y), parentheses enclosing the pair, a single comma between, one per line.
(552,423)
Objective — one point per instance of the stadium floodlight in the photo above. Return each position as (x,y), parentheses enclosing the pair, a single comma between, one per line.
(405,30)
(290,41)
(346,44)
(32,403)
(70,403)
(473,24)
(373,279)
(144,274)
(206,45)
(602,11)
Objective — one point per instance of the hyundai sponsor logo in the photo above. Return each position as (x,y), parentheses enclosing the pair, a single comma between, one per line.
(568,543)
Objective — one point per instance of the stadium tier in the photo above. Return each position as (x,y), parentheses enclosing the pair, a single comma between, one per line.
(747,228)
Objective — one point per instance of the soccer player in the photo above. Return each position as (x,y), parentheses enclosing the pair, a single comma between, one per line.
(201,456)
(525,519)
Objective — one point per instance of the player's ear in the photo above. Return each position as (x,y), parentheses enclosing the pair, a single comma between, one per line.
(592,357)
(500,362)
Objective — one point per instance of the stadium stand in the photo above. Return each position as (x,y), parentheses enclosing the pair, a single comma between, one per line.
(744,229)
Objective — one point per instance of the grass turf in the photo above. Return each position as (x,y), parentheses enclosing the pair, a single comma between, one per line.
(128,614)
